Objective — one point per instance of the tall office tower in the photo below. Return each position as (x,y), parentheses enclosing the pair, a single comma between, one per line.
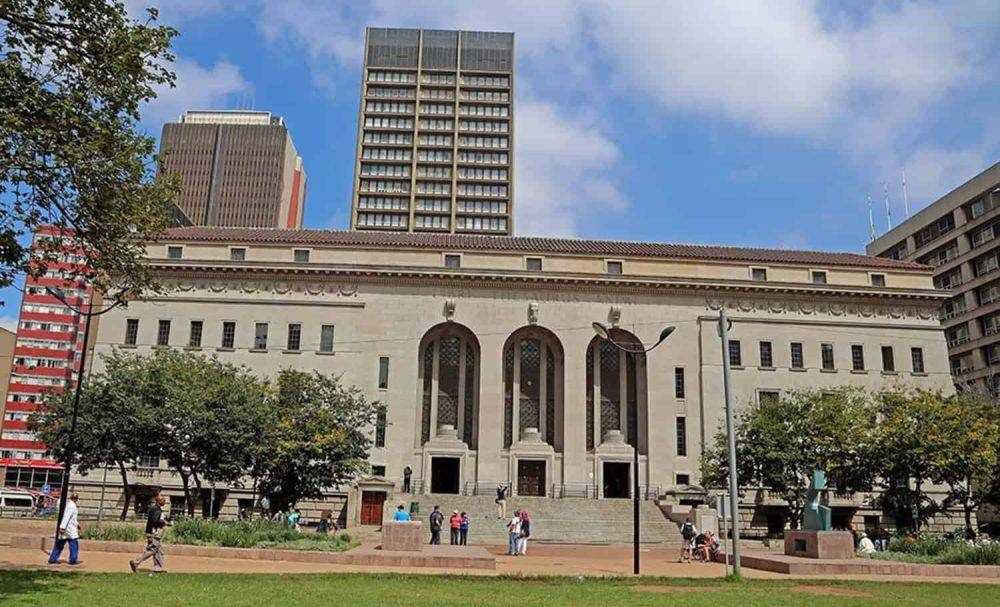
(46,357)
(958,235)
(436,132)
(238,168)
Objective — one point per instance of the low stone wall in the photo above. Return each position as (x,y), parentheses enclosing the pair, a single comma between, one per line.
(443,557)
(778,563)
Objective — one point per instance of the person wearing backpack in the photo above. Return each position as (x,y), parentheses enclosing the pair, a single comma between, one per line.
(688,532)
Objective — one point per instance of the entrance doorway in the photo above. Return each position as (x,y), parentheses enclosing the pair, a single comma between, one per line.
(616,479)
(531,478)
(371,507)
(444,475)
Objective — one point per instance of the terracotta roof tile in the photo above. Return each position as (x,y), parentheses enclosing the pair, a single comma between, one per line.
(529,245)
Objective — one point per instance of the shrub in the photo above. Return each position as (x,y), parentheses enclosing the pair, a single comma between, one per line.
(964,554)
(923,544)
(251,534)
(113,533)
(939,551)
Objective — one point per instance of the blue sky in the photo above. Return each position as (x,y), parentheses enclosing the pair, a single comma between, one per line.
(745,123)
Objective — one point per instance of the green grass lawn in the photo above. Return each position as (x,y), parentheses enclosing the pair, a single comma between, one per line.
(109,590)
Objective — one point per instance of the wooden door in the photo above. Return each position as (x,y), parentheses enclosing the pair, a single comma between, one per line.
(371,507)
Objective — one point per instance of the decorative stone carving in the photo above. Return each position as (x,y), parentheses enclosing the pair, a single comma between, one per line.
(533,313)
(775,306)
(614,315)
(449,309)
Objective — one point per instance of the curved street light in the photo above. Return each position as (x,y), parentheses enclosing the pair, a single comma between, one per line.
(604,332)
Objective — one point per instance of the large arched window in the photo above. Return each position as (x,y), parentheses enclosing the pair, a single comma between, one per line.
(533,385)
(616,380)
(449,380)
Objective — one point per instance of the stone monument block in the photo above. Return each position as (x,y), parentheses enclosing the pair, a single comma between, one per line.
(819,544)
(403,536)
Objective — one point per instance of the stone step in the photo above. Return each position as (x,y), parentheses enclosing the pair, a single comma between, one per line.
(568,520)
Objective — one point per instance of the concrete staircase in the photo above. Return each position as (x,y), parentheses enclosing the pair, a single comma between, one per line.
(557,521)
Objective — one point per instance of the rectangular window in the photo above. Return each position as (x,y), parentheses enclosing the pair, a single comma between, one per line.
(858,357)
(683,479)
(260,336)
(533,264)
(294,336)
(237,254)
(174,252)
(383,372)
(301,255)
(194,339)
(380,424)
(163,333)
(326,338)
(798,360)
(682,444)
(679,382)
(228,333)
(826,354)
(917,356)
(768,397)
(888,360)
(735,354)
(453,261)
(878,280)
(131,331)
(615,268)
(766,357)
(758,274)
(819,277)
(378,471)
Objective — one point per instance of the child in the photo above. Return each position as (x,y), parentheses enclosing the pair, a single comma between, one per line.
(463,530)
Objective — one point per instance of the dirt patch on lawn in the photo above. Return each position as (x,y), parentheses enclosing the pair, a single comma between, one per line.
(673,589)
(831,591)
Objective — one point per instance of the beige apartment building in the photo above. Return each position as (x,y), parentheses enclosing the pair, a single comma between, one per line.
(957,235)
(435,148)
(482,347)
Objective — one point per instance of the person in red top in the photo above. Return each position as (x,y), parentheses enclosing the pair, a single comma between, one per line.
(456,524)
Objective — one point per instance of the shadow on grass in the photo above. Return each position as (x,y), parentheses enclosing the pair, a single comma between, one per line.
(24,583)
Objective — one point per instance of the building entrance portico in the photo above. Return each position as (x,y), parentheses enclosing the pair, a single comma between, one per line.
(531,478)
(616,479)
(445,474)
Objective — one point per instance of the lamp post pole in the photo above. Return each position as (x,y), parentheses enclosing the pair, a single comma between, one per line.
(731,439)
(604,332)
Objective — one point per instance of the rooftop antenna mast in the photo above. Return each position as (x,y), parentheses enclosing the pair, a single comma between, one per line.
(906,197)
(888,210)
(871,219)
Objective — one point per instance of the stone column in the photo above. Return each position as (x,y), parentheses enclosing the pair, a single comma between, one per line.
(574,406)
(491,404)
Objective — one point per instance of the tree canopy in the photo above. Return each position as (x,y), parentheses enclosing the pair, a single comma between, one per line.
(213,422)
(74,75)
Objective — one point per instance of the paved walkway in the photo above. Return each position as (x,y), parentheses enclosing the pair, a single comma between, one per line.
(541,560)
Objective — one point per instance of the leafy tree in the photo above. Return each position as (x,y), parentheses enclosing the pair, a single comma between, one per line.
(779,443)
(73,76)
(907,451)
(966,452)
(321,438)
(113,429)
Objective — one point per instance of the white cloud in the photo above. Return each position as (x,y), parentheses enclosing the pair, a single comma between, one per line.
(565,167)
(9,323)
(197,87)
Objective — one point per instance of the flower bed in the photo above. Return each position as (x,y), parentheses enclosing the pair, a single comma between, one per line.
(940,551)
(229,534)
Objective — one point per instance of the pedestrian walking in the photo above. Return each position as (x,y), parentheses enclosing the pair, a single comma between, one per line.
(437,519)
(155,524)
(463,530)
(407,473)
(513,533)
(522,541)
(501,501)
(688,533)
(69,533)
(455,523)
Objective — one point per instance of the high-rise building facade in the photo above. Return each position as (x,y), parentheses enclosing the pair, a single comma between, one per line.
(958,235)
(237,168)
(435,146)
(46,358)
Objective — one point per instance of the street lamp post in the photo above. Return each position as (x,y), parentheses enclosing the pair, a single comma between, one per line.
(724,326)
(604,332)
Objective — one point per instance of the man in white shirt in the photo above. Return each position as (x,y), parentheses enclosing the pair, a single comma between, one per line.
(514,534)
(69,532)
